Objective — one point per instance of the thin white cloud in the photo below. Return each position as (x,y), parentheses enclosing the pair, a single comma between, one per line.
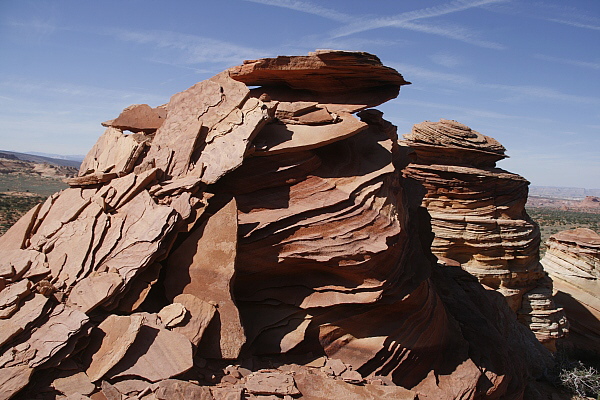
(564,13)
(576,63)
(446,59)
(575,24)
(20,86)
(191,49)
(309,8)
(405,21)
(353,24)
(35,26)
(415,73)
(541,92)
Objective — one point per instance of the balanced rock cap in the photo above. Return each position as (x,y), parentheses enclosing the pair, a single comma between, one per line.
(450,133)
(322,71)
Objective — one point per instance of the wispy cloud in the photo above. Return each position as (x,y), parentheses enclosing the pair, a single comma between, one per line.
(446,59)
(29,88)
(466,111)
(191,49)
(576,24)
(577,63)
(564,13)
(309,8)
(353,24)
(541,92)
(417,74)
(401,20)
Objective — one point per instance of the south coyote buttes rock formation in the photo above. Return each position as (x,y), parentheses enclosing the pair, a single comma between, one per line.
(258,228)
(573,261)
(479,219)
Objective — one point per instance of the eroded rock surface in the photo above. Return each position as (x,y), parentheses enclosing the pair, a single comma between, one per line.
(256,242)
(572,259)
(479,220)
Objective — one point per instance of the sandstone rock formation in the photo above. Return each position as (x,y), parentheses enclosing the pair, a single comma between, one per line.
(479,220)
(257,243)
(572,259)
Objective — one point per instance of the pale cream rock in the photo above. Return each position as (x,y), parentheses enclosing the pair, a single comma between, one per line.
(173,314)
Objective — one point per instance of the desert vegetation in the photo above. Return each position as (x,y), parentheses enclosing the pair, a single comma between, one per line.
(13,206)
(552,221)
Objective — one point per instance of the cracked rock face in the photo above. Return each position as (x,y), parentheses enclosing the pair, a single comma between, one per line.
(479,219)
(233,230)
(572,259)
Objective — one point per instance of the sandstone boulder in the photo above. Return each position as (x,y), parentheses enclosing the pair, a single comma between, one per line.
(572,259)
(217,252)
(479,220)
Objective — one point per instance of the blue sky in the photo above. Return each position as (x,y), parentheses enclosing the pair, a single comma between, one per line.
(525,72)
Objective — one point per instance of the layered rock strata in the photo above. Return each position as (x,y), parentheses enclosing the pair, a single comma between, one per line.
(246,229)
(479,220)
(572,259)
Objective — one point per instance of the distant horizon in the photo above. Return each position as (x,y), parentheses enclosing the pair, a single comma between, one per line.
(524,73)
(49,155)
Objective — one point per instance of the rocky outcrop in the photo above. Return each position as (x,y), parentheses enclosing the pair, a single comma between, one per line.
(259,242)
(572,259)
(479,220)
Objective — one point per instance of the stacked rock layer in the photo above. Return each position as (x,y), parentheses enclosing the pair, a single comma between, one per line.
(479,220)
(250,228)
(572,259)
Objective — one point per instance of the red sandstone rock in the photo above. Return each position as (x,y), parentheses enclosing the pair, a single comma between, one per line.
(479,220)
(261,223)
(138,118)
(321,71)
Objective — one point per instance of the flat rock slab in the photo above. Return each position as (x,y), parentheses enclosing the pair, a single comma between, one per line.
(138,117)
(191,114)
(78,383)
(321,71)
(199,315)
(90,292)
(173,389)
(63,324)
(281,138)
(114,152)
(116,334)
(204,266)
(271,382)
(228,142)
(316,386)
(13,379)
(11,296)
(156,354)
(31,309)
(173,314)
